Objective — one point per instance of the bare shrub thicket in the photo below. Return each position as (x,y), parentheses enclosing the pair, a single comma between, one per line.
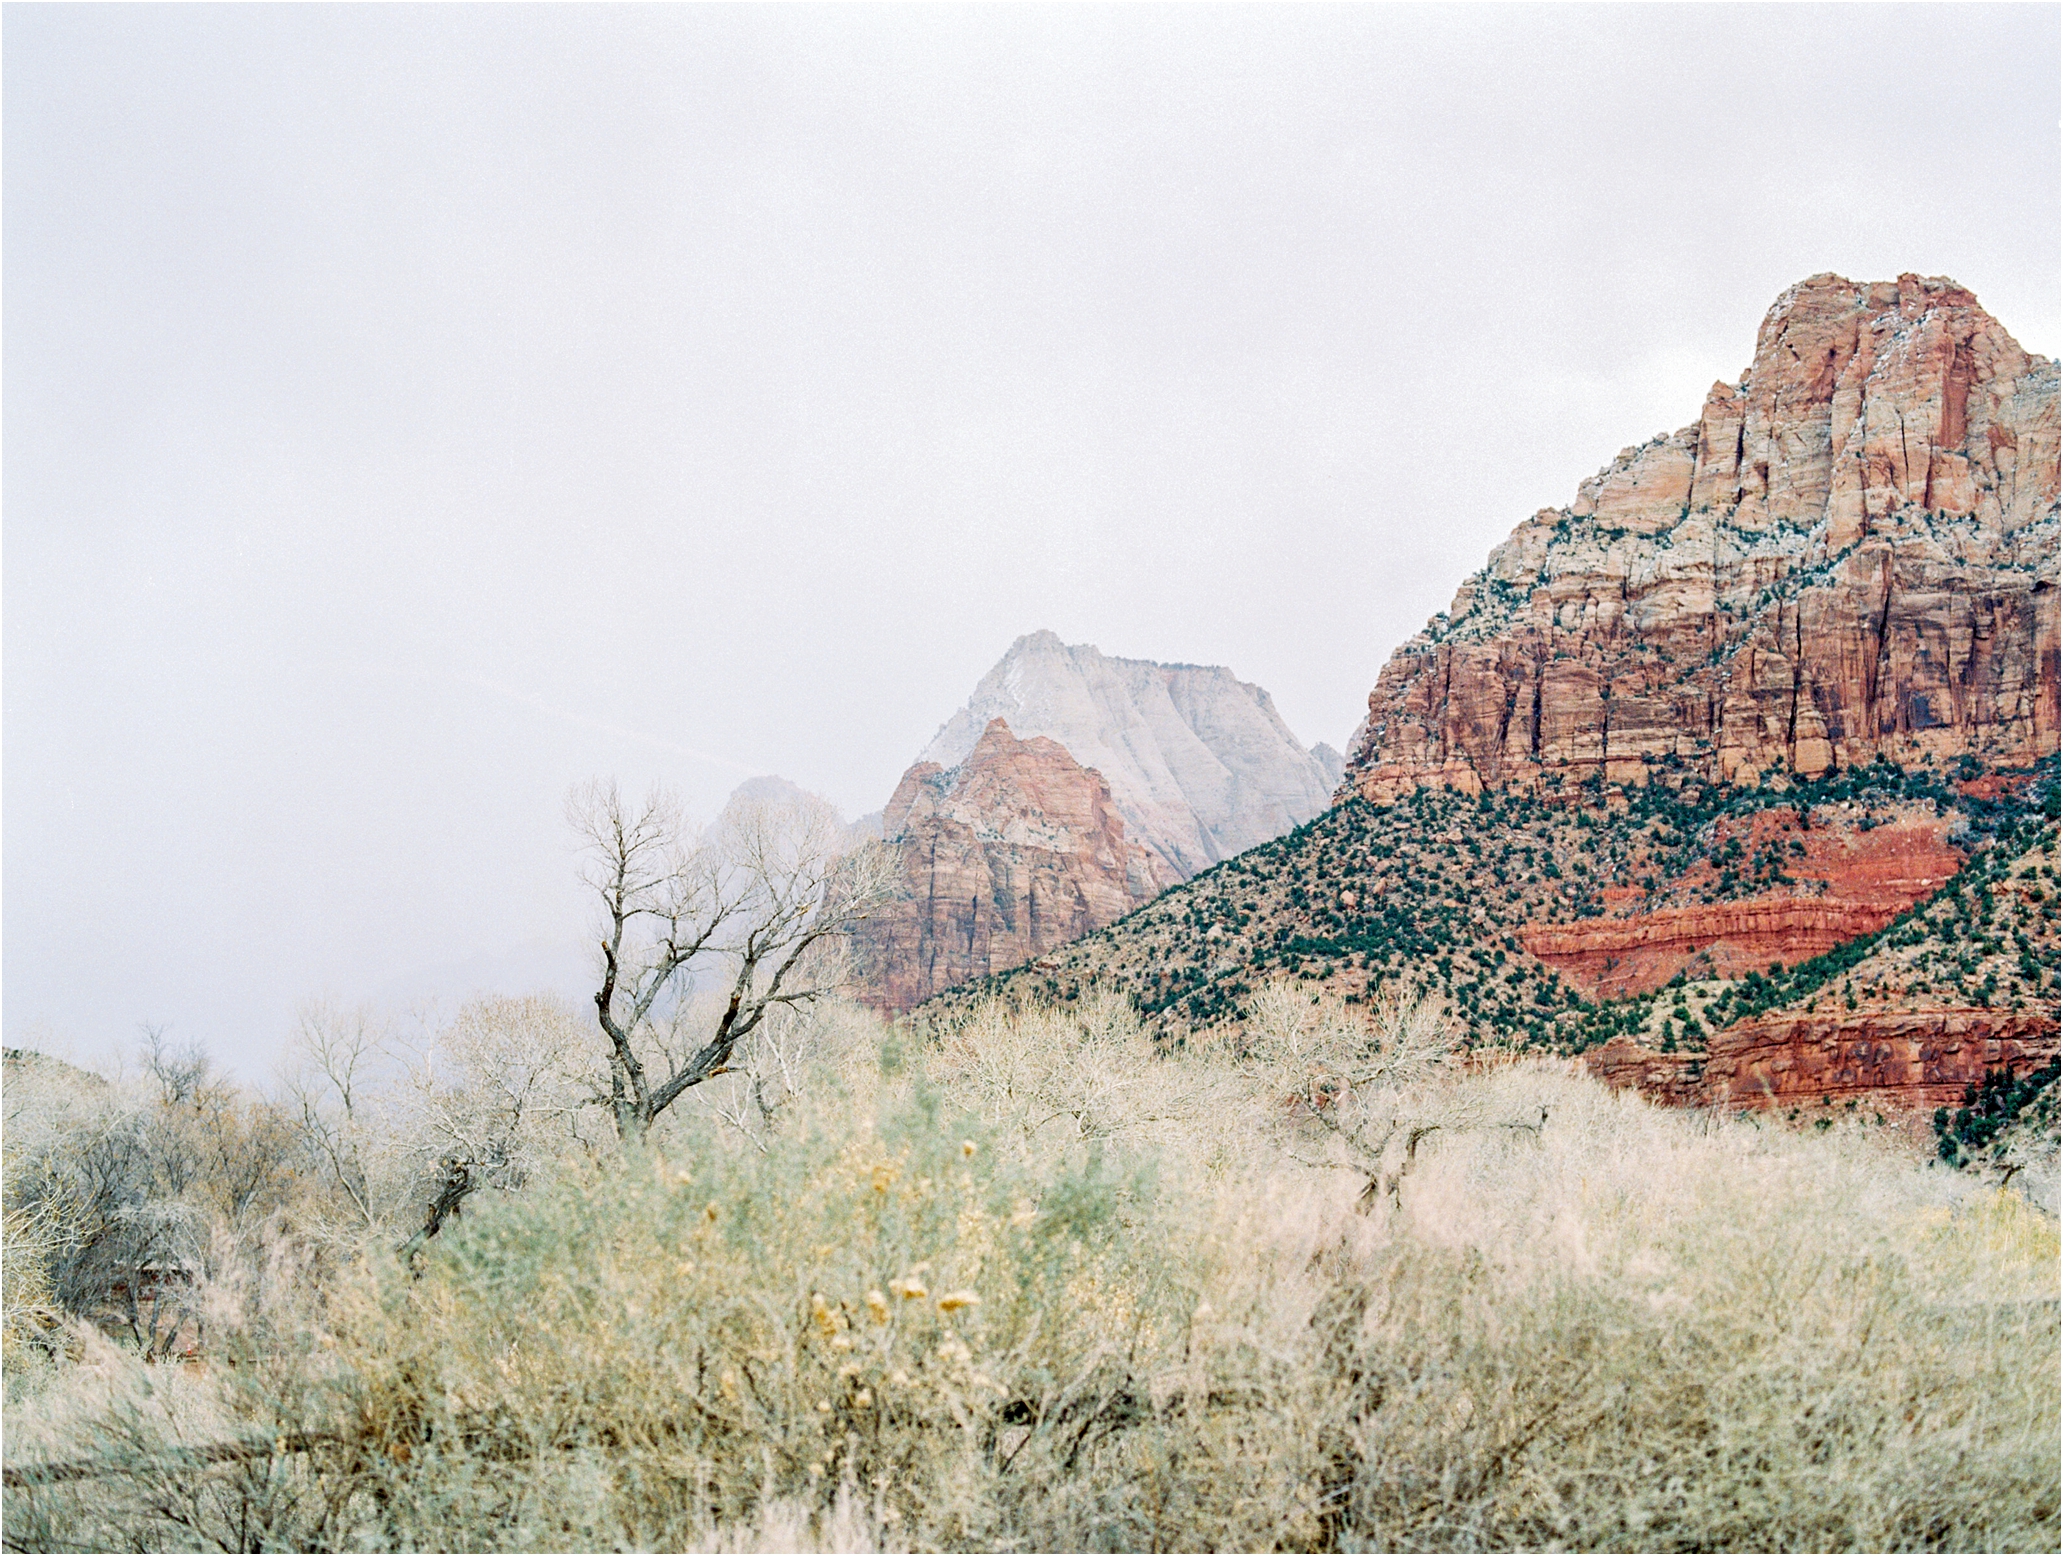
(1029,1283)
(123,1198)
(1056,1084)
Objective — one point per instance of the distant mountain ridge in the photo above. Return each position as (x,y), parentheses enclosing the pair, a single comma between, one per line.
(1007,854)
(1070,788)
(1738,773)
(1199,762)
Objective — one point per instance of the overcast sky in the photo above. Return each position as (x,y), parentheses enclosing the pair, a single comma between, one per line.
(412,411)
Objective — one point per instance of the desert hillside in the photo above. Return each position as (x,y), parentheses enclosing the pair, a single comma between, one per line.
(1738,770)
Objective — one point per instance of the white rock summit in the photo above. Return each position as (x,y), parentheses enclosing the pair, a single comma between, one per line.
(1199,763)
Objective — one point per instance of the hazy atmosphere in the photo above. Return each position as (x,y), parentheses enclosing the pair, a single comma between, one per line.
(413,412)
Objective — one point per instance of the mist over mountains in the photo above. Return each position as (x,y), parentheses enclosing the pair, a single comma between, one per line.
(417,413)
(1199,762)
(1737,774)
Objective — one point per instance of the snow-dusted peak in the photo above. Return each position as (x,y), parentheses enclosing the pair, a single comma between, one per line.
(1200,764)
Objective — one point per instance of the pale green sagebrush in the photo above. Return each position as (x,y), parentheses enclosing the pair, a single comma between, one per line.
(1029,1284)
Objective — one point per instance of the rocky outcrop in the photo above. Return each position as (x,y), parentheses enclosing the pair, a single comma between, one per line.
(1200,764)
(1852,552)
(1846,879)
(1625,1065)
(1611,957)
(1913,1059)
(1008,853)
(1920,1059)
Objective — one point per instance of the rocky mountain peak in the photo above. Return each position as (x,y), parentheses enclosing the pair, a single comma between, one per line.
(1072,787)
(1199,763)
(1011,851)
(1852,552)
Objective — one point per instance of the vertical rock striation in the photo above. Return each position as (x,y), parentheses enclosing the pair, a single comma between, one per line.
(1852,552)
(1010,852)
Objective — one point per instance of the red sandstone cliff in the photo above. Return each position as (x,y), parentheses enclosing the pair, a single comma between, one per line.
(1848,880)
(1853,551)
(1016,850)
(1911,1059)
(1910,1023)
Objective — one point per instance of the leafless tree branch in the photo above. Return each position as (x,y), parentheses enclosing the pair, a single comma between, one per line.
(755,900)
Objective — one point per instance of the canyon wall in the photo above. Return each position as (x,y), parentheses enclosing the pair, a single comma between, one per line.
(1852,552)
(1844,572)
(1014,850)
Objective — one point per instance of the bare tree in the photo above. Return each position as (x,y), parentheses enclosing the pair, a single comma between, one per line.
(128,1189)
(751,907)
(488,1099)
(795,1050)
(336,1051)
(1376,1084)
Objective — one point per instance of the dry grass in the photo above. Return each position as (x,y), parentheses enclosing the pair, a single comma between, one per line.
(1629,1329)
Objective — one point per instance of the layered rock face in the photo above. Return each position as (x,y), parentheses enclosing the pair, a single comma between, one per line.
(1853,551)
(1918,1016)
(1008,853)
(1844,880)
(1200,764)
(1913,1059)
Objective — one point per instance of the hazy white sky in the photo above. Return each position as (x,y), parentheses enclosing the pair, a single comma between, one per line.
(412,411)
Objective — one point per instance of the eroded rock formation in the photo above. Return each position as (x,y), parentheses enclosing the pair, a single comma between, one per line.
(1012,851)
(1853,551)
(1199,762)
(1907,1060)
(1848,875)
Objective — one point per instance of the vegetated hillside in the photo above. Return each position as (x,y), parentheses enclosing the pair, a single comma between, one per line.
(1475,898)
(2009,1122)
(26,1065)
